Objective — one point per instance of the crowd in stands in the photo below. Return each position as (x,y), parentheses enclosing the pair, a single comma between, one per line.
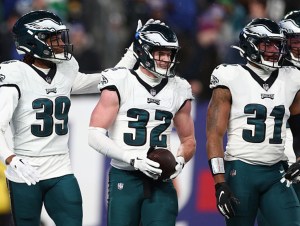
(101,30)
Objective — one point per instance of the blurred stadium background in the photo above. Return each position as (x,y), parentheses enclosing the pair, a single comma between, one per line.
(100,32)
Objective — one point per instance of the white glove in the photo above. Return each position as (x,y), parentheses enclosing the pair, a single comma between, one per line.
(147,166)
(24,170)
(150,21)
(129,59)
(179,166)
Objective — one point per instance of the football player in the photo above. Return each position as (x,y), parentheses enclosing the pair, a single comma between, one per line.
(35,99)
(290,25)
(252,103)
(137,110)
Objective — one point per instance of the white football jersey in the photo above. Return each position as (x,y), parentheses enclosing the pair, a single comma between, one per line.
(146,113)
(259,112)
(40,119)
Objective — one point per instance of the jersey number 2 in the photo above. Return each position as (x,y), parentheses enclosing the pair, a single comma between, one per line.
(140,137)
(62,106)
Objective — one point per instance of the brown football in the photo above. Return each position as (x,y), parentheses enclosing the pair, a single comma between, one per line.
(166,160)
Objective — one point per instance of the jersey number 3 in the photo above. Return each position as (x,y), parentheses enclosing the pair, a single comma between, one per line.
(62,106)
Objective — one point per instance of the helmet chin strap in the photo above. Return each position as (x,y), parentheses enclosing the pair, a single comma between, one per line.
(160,72)
(59,58)
(265,67)
(295,63)
(163,73)
(262,65)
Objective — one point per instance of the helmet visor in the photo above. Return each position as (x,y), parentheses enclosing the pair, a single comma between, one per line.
(271,50)
(165,60)
(60,45)
(293,46)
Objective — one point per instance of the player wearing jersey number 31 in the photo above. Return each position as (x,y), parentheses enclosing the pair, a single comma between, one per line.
(35,100)
(253,103)
(137,110)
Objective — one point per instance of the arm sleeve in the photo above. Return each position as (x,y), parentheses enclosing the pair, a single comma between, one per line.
(219,76)
(9,101)
(128,60)
(98,140)
(86,83)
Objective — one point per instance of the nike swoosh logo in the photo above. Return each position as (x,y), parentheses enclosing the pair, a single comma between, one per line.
(221,193)
(281,171)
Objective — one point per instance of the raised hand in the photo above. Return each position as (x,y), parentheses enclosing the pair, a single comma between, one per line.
(150,21)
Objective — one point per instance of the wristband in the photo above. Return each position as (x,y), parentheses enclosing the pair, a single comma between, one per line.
(216,165)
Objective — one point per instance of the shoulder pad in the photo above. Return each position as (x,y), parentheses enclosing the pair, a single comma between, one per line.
(223,74)
(11,72)
(113,69)
(113,77)
(183,87)
(10,61)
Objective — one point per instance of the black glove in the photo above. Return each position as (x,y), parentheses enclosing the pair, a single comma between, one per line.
(225,200)
(293,172)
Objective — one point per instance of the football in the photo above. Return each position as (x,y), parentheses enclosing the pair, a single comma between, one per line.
(166,160)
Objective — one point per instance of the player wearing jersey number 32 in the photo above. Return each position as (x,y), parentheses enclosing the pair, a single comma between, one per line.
(137,110)
(253,103)
(35,100)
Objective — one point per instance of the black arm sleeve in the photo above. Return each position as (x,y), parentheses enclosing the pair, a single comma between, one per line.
(294,122)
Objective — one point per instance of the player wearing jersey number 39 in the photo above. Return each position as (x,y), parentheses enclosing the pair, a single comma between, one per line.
(137,110)
(253,103)
(35,100)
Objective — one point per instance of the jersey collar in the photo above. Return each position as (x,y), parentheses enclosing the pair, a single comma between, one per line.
(266,85)
(47,77)
(152,90)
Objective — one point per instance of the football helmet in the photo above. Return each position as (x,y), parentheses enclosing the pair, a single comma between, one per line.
(152,37)
(255,40)
(43,35)
(290,25)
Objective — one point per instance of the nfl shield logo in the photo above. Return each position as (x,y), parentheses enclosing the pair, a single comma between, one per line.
(120,186)
(2,77)
(266,86)
(153,92)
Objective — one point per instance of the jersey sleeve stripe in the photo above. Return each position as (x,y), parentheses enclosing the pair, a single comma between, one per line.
(13,85)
